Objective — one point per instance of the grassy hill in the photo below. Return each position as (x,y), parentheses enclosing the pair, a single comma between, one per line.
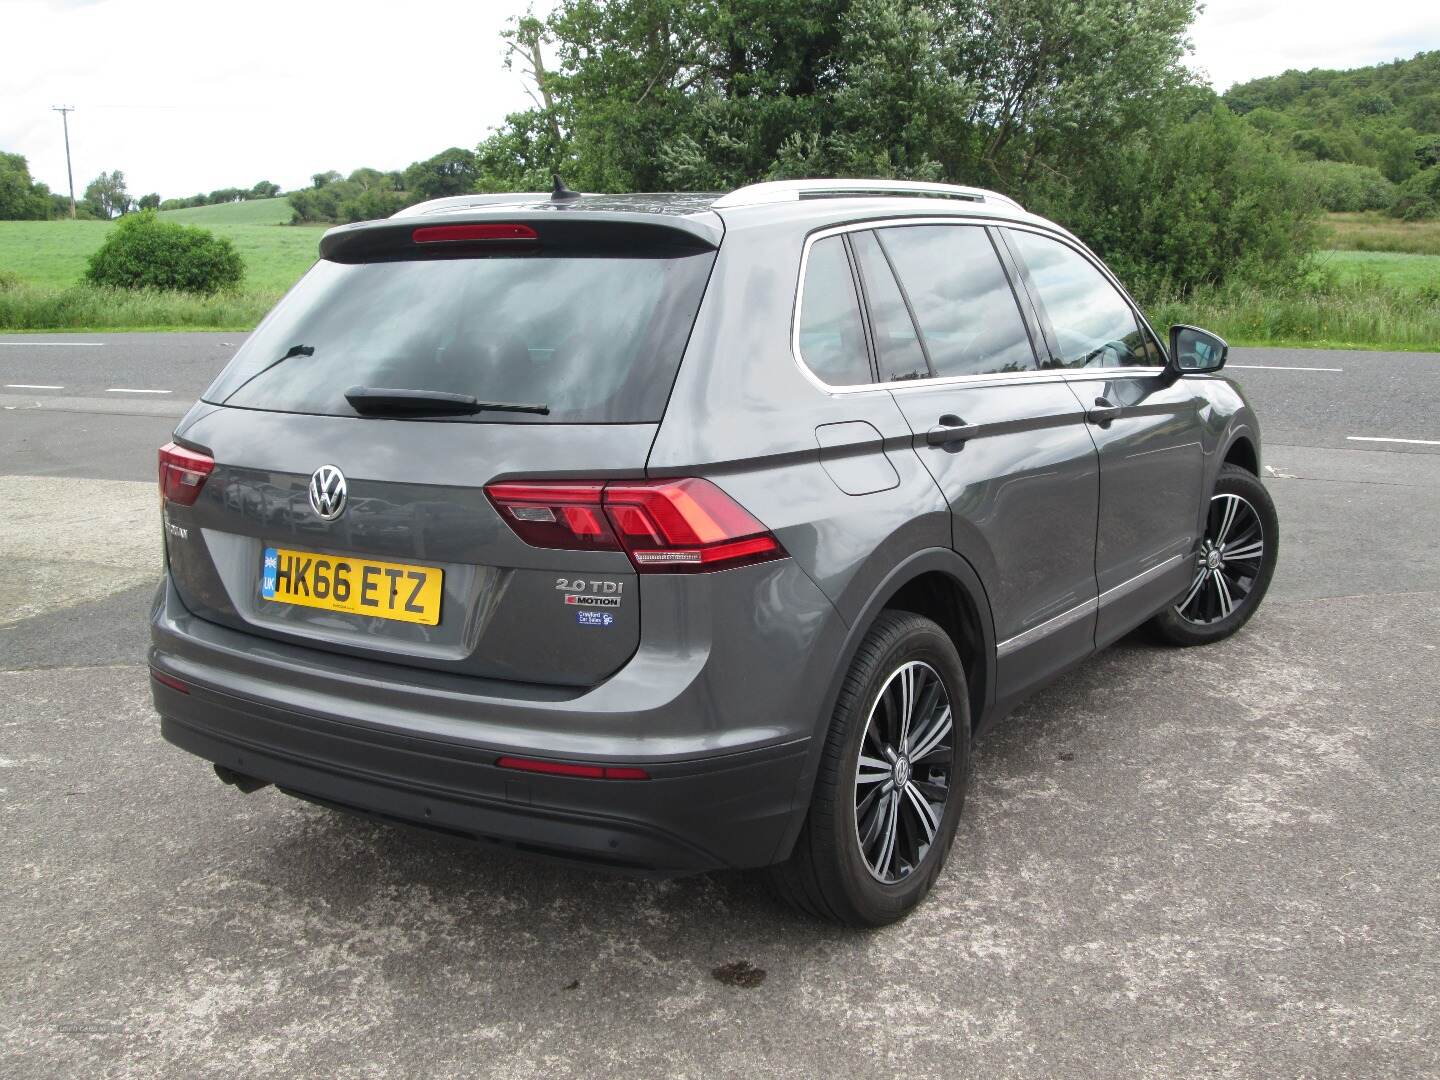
(254,212)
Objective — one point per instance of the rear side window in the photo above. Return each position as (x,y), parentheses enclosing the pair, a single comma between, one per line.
(832,337)
(969,319)
(597,339)
(897,348)
(1094,325)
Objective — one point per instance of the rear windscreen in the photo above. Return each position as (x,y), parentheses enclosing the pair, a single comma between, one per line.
(596,339)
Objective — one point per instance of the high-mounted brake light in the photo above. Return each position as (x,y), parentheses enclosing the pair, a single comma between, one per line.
(665,526)
(586,772)
(449,234)
(183,473)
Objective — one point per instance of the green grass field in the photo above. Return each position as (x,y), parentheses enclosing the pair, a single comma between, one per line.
(1401,270)
(1353,298)
(53,253)
(255,212)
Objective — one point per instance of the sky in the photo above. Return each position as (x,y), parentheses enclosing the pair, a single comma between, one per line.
(186,96)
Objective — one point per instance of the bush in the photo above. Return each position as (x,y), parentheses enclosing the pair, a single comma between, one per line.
(1344,188)
(1419,197)
(144,252)
(1197,203)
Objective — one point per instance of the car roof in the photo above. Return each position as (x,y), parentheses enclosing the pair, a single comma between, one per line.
(709,215)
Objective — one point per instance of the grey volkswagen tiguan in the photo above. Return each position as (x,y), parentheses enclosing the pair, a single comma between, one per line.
(677,532)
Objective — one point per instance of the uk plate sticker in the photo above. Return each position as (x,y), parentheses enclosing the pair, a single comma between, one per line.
(594,618)
(267,579)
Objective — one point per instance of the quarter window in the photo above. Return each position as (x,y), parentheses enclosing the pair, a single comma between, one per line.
(1094,325)
(969,320)
(832,336)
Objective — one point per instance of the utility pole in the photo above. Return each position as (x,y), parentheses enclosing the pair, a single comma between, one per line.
(64,111)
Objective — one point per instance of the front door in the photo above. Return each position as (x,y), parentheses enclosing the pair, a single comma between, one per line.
(1145,425)
(1007,445)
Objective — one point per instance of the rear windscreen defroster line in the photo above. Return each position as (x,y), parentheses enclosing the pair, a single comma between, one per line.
(597,339)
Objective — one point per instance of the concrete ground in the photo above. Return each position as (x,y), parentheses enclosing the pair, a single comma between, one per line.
(1222,861)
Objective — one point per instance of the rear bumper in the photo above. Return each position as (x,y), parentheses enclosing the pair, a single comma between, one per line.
(719,795)
(728,812)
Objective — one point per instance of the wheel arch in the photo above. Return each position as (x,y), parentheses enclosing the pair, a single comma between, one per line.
(1242,452)
(941,585)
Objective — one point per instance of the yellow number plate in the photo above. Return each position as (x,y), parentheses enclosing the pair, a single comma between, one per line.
(361,586)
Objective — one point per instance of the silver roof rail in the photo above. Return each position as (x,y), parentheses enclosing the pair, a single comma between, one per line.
(778,191)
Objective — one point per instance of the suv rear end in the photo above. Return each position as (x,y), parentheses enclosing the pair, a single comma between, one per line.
(483,616)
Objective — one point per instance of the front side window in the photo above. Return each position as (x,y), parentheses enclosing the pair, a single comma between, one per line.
(1094,324)
(832,336)
(969,319)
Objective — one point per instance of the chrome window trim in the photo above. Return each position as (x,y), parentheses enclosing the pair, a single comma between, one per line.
(1005,378)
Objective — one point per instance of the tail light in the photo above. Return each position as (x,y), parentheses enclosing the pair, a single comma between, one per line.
(665,526)
(183,473)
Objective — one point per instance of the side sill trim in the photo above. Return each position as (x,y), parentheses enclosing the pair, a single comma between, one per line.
(1087,607)
(1045,629)
(1125,588)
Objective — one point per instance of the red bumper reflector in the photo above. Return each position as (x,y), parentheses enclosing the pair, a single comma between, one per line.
(449,234)
(170,681)
(560,768)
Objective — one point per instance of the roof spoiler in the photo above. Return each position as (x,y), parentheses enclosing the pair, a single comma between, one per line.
(615,233)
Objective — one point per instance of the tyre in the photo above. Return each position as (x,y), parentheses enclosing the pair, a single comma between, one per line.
(891,781)
(1233,567)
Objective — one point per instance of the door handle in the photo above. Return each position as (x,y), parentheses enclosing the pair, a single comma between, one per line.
(952,430)
(1102,413)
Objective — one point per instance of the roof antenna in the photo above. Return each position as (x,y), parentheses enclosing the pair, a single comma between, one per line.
(560,193)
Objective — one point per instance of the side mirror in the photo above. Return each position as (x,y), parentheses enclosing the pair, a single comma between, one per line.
(1196,352)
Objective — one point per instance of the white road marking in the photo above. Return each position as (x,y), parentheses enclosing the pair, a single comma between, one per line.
(30,386)
(1278,367)
(57,344)
(1407,442)
(123,390)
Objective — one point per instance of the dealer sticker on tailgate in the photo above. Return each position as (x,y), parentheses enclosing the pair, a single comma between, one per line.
(360,586)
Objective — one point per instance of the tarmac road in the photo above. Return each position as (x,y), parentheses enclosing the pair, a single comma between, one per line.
(1222,861)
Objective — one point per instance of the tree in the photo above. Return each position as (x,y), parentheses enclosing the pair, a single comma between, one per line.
(450,172)
(320,179)
(148,202)
(107,194)
(21,197)
(265,190)
(650,94)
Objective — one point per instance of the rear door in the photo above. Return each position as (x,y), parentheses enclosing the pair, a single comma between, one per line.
(417,566)
(1006,445)
(1146,427)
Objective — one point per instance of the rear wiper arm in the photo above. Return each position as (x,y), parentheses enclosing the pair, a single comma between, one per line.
(294,350)
(380,401)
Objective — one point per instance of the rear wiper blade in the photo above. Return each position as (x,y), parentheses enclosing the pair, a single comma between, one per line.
(381,401)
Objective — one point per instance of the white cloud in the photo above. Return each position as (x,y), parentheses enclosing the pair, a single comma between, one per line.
(192,95)
(1239,40)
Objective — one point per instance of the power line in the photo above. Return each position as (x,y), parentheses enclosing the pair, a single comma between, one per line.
(65,111)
